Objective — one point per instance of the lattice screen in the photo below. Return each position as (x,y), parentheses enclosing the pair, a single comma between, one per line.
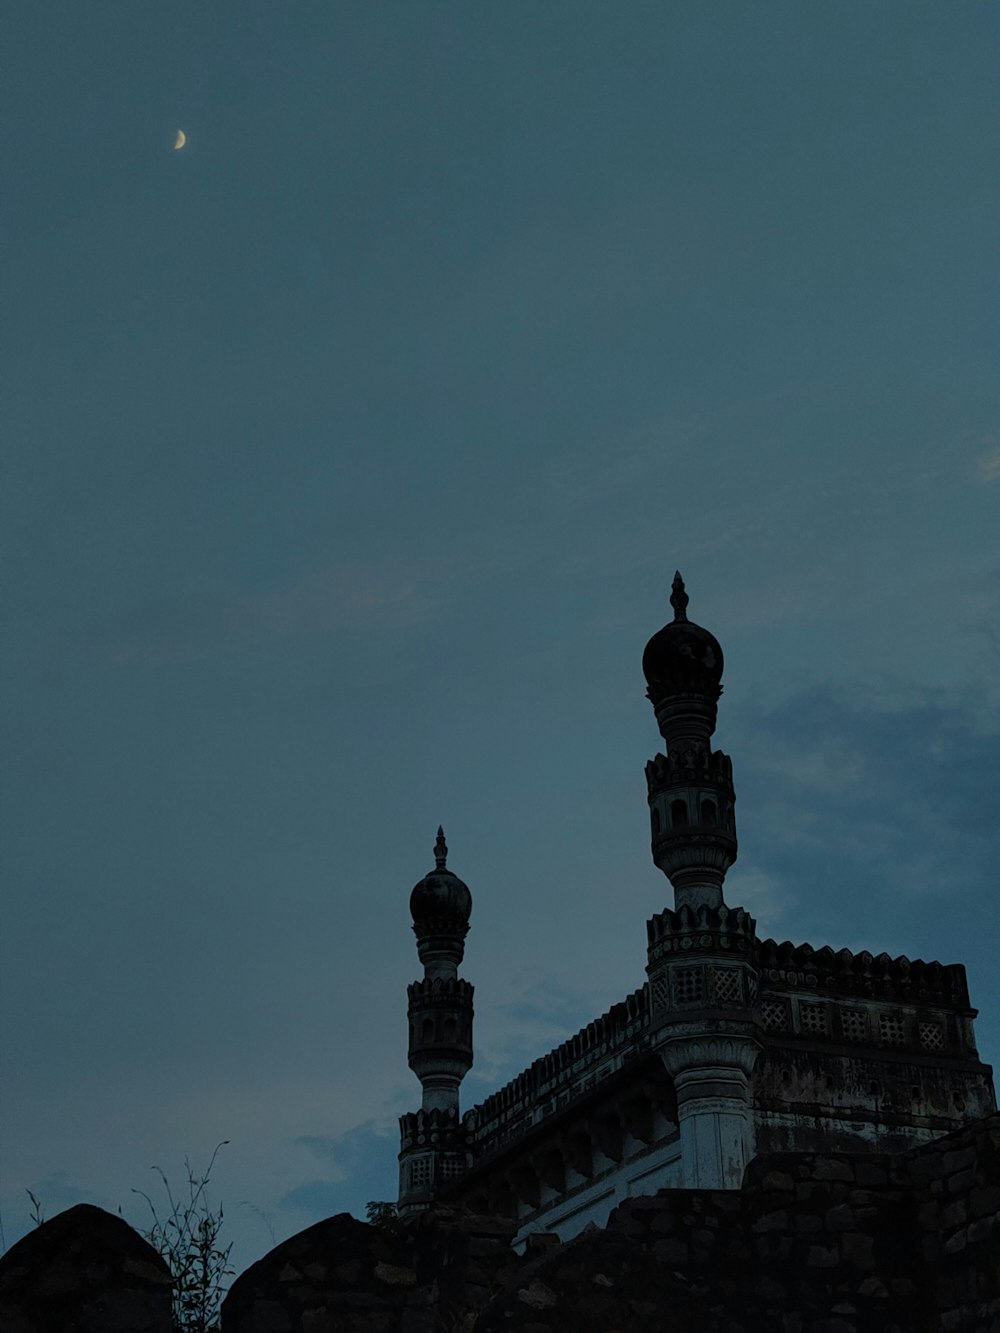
(890,1030)
(726,984)
(854,1024)
(420,1172)
(774,1015)
(689,985)
(932,1036)
(813,1019)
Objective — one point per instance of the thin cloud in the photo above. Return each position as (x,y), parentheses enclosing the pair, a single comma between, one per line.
(359,1165)
(767,897)
(60,1190)
(518,1032)
(988,466)
(351,595)
(391,594)
(317,1198)
(855,784)
(828,768)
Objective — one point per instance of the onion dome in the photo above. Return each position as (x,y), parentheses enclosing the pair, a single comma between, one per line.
(682,658)
(441,897)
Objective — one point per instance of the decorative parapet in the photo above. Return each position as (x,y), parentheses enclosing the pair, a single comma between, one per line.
(704,928)
(566,1072)
(688,768)
(691,797)
(439,1015)
(443,992)
(693,821)
(700,959)
(431,1129)
(792,967)
(433,1152)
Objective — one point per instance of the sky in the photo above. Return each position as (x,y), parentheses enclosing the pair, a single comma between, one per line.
(349,453)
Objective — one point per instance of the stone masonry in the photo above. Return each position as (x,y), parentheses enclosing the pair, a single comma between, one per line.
(813,1243)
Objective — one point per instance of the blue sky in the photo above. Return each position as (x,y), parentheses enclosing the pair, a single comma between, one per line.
(349,455)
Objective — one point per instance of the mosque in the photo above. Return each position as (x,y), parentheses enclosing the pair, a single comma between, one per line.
(732,1046)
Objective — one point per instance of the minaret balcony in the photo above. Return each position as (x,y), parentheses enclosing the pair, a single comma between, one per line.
(700,847)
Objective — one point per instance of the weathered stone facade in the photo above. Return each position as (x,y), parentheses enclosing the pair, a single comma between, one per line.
(733,1046)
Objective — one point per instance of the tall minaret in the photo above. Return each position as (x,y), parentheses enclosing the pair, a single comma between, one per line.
(440,1052)
(691,795)
(700,954)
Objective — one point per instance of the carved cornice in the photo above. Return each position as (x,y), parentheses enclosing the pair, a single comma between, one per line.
(788,966)
(708,1051)
(699,701)
(446,925)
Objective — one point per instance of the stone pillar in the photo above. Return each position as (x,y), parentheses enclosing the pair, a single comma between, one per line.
(711,1079)
(703,983)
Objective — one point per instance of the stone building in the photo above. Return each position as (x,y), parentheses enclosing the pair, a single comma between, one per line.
(733,1045)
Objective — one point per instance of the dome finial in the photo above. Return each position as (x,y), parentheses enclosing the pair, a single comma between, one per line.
(679,598)
(441,850)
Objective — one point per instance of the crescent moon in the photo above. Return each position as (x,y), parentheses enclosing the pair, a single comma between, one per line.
(181,140)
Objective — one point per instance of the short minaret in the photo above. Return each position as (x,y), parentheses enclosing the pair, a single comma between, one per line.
(440,1050)
(700,954)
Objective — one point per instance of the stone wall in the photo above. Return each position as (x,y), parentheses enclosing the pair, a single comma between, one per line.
(814,1243)
(342,1276)
(84,1271)
(956,1191)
